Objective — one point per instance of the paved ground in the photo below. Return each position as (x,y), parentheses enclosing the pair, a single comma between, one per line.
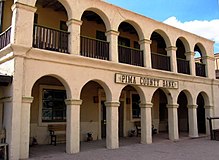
(130,149)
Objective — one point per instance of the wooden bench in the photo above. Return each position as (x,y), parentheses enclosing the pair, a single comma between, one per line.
(57,133)
(138,129)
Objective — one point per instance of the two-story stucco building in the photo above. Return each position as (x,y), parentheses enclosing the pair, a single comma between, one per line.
(99,68)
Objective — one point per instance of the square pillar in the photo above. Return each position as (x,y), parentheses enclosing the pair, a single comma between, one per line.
(193,127)
(25,127)
(173,122)
(112,122)
(73,126)
(146,125)
(74,27)
(145,45)
(22,24)
(209,66)
(208,113)
(112,37)
(190,56)
(171,51)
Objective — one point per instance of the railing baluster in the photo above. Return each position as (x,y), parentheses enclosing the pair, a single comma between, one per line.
(160,61)
(94,48)
(130,56)
(50,39)
(5,38)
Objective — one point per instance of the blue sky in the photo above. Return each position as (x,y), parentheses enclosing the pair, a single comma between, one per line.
(199,14)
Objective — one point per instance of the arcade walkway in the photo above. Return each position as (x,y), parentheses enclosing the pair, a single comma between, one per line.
(130,149)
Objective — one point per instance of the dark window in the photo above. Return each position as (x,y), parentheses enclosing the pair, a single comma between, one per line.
(136,106)
(100,35)
(136,45)
(124,41)
(53,108)
(63,26)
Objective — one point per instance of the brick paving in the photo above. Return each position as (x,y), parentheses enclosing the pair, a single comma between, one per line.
(130,149)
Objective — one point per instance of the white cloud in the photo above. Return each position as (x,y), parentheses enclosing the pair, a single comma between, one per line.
(207,29)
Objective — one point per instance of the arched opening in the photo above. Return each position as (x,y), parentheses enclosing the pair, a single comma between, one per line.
(159,57)
(50,29)
(5,22)
(93,112)
(201,114)
(199,63)
(160,112)
(183,123)
(128,45)
(93,39)
(129,113)
(48,108)
(182,63)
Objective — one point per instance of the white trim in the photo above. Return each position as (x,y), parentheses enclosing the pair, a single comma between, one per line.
(41,87)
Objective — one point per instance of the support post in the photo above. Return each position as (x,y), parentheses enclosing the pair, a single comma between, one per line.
(190,57)
(173,122)
(171,51)
(146,125)
(25,127)
(74,27)
(145,46)
(73,126)
(112,38)
(112,121)
(193,127)
(22,22)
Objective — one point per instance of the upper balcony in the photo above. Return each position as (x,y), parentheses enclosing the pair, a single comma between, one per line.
(50,32)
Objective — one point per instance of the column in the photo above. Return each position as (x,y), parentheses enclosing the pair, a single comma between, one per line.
(74,27)
(22,24)
(208,113)
(192,115)
(25,127)
(73,126)
(145,45)
(209,66)
(112,122)
(173,122)
(146,133)
(171,51)
(190,56)
(112,37)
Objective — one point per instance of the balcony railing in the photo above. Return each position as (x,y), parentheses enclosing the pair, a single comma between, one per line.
(131,56)
(50,39)
(160,61)
(200,69)
(183,66)
(94,48)
(5,38)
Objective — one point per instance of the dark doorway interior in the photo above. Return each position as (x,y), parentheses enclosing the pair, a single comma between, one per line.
(103,120)
(201,114)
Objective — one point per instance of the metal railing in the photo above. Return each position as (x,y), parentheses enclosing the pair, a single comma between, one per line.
(160,61)
(200,69)
(94,48)
(5,38)
(131,56)
(183,66)
(50,39)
